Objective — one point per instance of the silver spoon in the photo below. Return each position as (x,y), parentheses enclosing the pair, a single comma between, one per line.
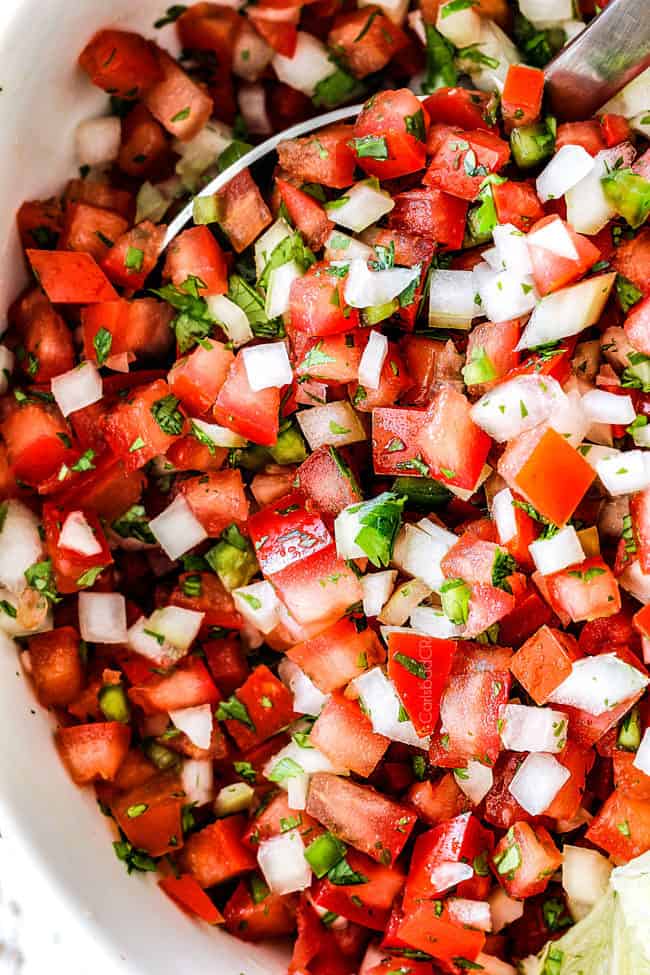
(608,54)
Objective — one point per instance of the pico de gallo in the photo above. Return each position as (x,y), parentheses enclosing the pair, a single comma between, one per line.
(325,533)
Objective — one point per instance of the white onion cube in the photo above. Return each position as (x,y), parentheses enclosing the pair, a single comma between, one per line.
(362,205)
(597,684)
(334,423)
(98,140)
(79,387)
(77,535)
(475,781)
(568,166)
(259,605)
(372,360)
(557,552)
(642,757)
(282,861)
(267,366)
(309,65)
(195,722)
(419,552)
(624,473)
(503,513)
(453,299)
(384,708)
(197,780)
(537,781)
(377,587)
(232,319)
(530,729)
(102,617)
(176,529)
(603,407)
(307,698)
(20,545)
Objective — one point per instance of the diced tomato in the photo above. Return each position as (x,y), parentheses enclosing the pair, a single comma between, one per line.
(143,143)
(120,62)
(197,378)
(366,40)
(438,802)
(109,489)
(487,605)
(419,667)
(91,229)
(286,106)
(253,415)
(33,433)
(544,661)
(260,688)
(640,513)
(132,430)
(285,532)
(187,686)
(637,326)
(463,108)
(621,827)
(70,277)
(227,663)
(585,591)
(550,270)
(213,600)
(317,303)
(615,129)
(521,99)
(338,654)
(471,559)
(585,134)
(578,760)
(319,588)
(209,27)
(217,499)
(71,567)
(628,778)
(344,734)
(157,828)
(100,194)
(332,359)
(185,891)
(176,101)
(360,816)
(495,342)
(270,818)
(40,223)
(45,337)
(55,666)
(255,920)
(307,214)
(133,257)
(188,454)
(137,328)
(471,707)
(395,441)
(243,214)
(389,136)
(196,253)
(93,751)
(462,162)
(430,213)
(423,930)
(525,859)
(325,158)
(632,260)
(281,34)
(393,381)
(458,840)
(216,853)
(517,203)
(452,445)
(368,903)
(327,481)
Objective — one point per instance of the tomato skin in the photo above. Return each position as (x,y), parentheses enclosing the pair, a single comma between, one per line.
(176,101)
(317,303)
(344,734)
(462,108)
(187,454)
(120,62)
(327,159)
(366,44)
(585,134)
(376,896)
(34,448)
(458,840)
(615,129)
(100,195)
(423,930)
(158,829)
(285,532)
(319,588)
(138,328)
(185,892)
(499,807)
(217,499)
(321,480)
(517,203)
(197,378)
(450,168)
(56,667)
(93,751)
(420,693)
(69,566)
(628,778)
(306,213)
(367,820)
(187,686)
(145,241)
(84,228)
(281,35)
(132,422)
(243,214)
(388,115)
(551,271)
(521,101)
(431,213)
(253,415)
(216,853)
(544,661)
(195,252)
(452,445)
(270,918)
(435,803)
(70,277)
(259,685)
(339,356)
(395,433)
(539,859)
(578,760)
(331,659)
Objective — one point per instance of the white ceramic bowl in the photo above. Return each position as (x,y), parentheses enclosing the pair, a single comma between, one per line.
(43,97)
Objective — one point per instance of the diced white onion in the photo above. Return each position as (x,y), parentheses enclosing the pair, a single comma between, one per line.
(588,209)
(570,419)
(363,205)
(309,65)
(267,366)
(448,873)
(597,684)
(365,288)
(176,529)
(495,44)
(632,99)
(554,236)
(259,605)
(297,789)
(537,781)
(470,913)
(282,861)
(98,140)
(102,617)
(603,407)
(434,622)
(278,292)
(452,301)
(77,535)
(461,27)
(503,513)
(339,245)
(7,361)
(372,360)
(503,295)
(383,706)
(568,166)
(416,23)
(517,405)
(567,311)
(307,698)
(308,762)
(201,152)
(593,453)
(220,436)
(178,625)
(557,552)
(334,423)
(377,587)
(252,105)
(504,909)
(269,240)
(197,780)
(419,550)
(250,54)
(512,250)
(642,757)
(475,781)
(77,388)
(543,10)
(232,319)
(195,722)
(20,545)
(624,473)
(233,799)
(530,729)
(585,874)
(635,581)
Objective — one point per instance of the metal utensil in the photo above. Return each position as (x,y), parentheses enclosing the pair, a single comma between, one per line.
(609,53)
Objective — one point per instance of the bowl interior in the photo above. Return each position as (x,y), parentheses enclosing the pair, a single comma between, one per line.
(43,97)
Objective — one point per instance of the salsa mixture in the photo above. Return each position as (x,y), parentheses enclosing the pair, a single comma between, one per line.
(326,532)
